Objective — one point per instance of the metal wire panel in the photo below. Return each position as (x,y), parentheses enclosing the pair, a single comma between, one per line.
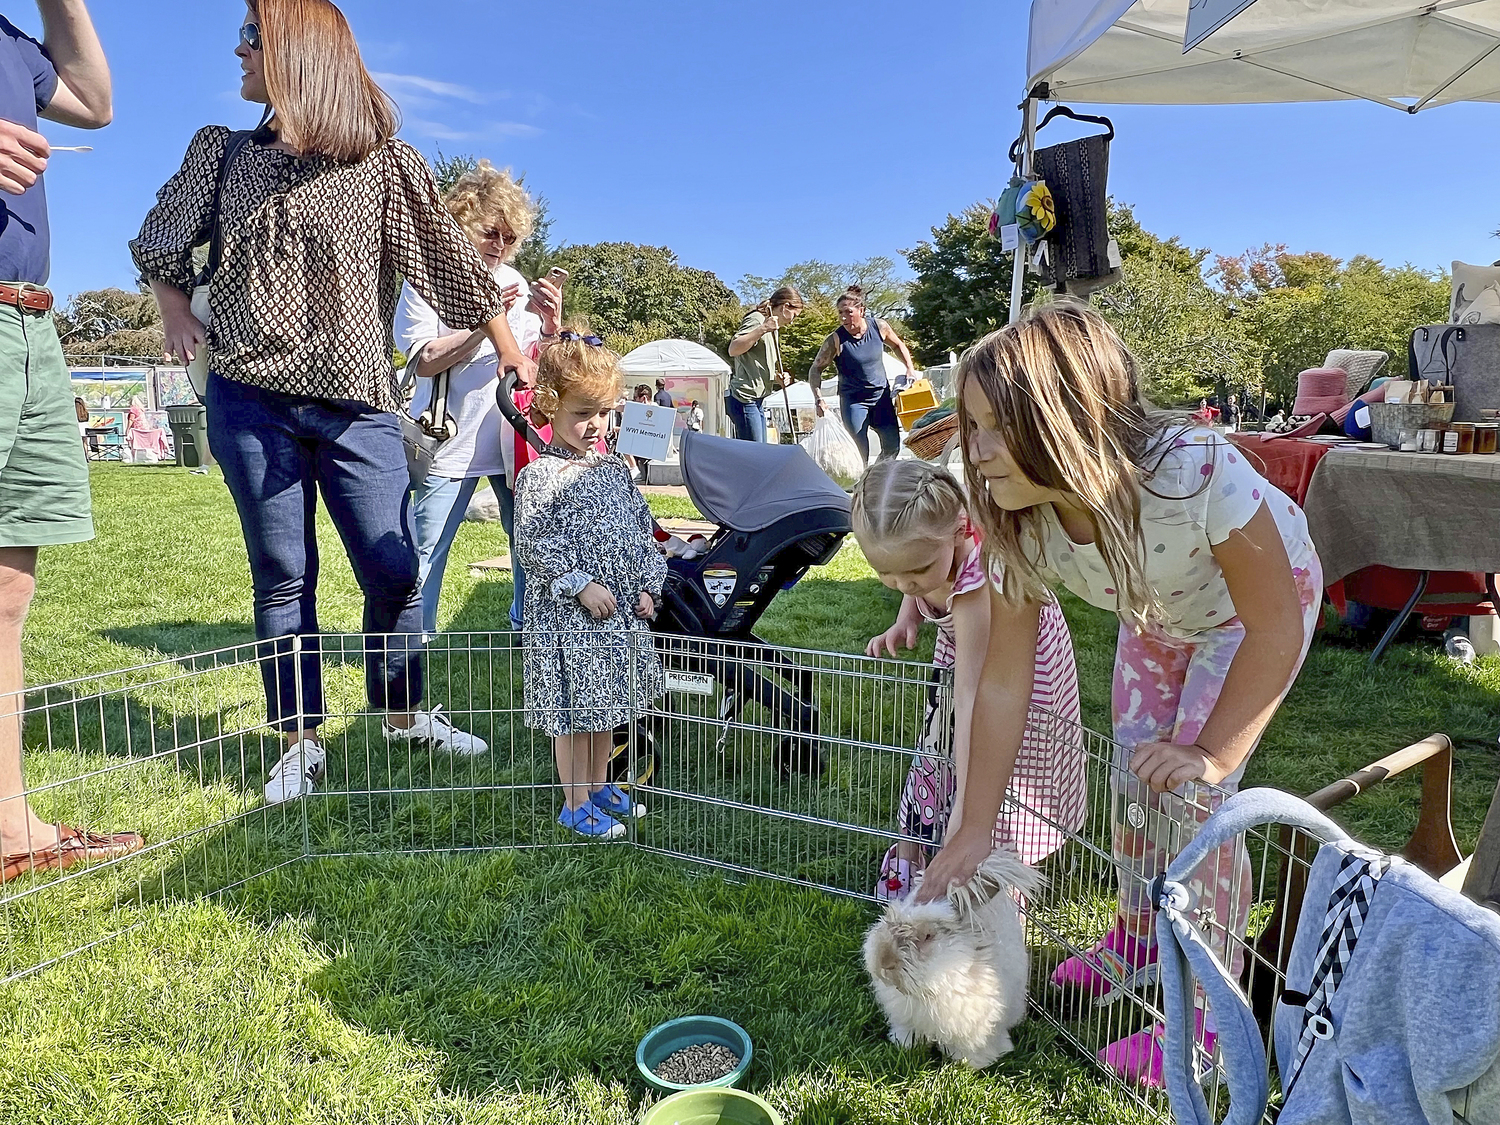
(784,763)
(173,749)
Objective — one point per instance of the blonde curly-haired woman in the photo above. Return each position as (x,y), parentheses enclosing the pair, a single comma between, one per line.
(497,215)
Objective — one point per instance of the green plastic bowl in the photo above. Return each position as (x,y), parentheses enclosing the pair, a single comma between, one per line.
(717,1106)
(667,1038)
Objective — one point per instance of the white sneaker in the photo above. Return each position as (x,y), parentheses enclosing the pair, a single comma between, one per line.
(297,773)
(433,729)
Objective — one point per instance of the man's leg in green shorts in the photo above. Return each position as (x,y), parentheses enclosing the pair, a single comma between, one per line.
(44,499)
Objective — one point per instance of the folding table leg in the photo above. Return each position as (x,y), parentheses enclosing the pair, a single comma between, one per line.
(1411,604)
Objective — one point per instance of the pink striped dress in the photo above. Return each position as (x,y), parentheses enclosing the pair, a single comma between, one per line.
(1047,797)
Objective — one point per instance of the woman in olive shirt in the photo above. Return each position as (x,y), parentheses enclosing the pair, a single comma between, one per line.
(756,352)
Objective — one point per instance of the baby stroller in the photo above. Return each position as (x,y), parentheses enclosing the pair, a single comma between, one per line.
(778,515)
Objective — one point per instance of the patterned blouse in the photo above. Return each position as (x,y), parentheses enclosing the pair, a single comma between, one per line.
(314,253)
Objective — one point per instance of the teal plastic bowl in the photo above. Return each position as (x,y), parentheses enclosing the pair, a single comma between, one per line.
(668,1038)
(715,1106)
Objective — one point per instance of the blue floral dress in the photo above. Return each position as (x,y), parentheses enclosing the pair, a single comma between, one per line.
(581,520)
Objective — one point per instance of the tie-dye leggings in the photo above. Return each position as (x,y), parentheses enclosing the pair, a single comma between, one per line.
(1164,691)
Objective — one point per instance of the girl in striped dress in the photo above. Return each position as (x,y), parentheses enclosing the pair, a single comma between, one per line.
(911,522)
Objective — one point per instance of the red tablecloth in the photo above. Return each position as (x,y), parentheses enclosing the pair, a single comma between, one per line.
(1289,464)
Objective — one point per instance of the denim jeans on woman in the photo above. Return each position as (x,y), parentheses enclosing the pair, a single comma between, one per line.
(437,509)
(748,419)
(277,452)
(860,417)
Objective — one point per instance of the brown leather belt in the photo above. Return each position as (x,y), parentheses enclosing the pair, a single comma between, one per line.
(32,298)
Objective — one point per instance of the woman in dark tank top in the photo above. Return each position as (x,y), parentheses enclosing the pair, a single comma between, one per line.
(857,349)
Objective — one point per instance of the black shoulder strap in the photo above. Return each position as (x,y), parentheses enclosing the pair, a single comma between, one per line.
(237,141)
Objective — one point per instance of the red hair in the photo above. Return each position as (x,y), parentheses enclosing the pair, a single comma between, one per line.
(325,101)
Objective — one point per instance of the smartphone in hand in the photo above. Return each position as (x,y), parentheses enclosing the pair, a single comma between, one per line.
(557,276)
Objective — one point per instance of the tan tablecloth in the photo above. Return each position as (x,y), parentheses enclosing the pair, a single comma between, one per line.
(1416,511)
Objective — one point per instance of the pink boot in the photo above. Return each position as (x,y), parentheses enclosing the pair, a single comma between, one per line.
(1119,962)
(896,877)
(1138,1058)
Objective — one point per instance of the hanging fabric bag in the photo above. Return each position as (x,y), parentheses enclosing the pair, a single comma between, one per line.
(1077,172)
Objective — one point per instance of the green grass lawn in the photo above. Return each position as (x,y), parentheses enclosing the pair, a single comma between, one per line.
(504,986)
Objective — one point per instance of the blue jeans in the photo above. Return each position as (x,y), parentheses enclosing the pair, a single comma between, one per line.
(277,452)
(748,418)
(437,509)
(859,417)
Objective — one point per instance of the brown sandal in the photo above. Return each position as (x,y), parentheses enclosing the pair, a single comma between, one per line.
(75,846)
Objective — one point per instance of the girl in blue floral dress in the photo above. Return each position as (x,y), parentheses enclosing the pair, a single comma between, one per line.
(585,533)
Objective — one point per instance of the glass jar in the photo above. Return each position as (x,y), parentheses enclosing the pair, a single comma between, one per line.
(1487,437)
(1465,431)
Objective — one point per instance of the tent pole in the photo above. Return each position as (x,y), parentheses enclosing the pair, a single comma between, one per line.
(1018,263)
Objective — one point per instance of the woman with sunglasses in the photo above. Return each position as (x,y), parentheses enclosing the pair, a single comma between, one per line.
(497,215)
(319,214)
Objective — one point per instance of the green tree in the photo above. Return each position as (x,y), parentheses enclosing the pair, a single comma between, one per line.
(821,283)
(962,286)
(801,339)
(117,323)
(1299,307)
(631,295)
(1181,330)
(1182,333)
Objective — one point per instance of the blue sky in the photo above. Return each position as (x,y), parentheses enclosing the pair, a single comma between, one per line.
(750,136)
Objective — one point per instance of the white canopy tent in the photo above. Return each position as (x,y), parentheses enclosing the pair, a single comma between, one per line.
(690,371)
(1401,53)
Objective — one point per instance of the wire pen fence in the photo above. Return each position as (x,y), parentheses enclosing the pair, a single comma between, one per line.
(755,760)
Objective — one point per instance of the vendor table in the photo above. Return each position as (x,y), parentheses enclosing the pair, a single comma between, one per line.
(1378,513)
(1288,463)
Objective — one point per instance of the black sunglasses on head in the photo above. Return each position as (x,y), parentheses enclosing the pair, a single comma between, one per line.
(250,36)
(591,341)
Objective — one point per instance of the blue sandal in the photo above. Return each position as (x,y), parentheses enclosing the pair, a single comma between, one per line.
(589,821)
(615,801)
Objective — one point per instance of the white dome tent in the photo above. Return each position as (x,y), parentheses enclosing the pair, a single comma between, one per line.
(1406,54)
(690,370)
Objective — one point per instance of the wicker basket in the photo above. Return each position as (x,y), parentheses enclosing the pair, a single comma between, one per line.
(1389,419)
(931,442)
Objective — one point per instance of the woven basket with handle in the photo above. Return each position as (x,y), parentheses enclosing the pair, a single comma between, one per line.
(931,441)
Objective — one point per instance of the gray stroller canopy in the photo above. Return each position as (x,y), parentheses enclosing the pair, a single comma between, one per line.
(747,486)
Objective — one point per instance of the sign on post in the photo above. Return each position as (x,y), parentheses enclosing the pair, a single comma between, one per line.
(646,431)
(1206,17)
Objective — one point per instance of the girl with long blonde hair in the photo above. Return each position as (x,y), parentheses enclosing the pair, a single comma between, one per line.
(1211,571)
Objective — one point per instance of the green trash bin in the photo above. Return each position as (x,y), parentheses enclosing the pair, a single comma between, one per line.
(189,426)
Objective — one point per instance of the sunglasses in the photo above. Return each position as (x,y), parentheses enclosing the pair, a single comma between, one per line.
(591,341)
(508,238)
(250,36)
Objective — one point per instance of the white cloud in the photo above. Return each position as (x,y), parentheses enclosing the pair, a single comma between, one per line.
(482,131)
(415,84)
